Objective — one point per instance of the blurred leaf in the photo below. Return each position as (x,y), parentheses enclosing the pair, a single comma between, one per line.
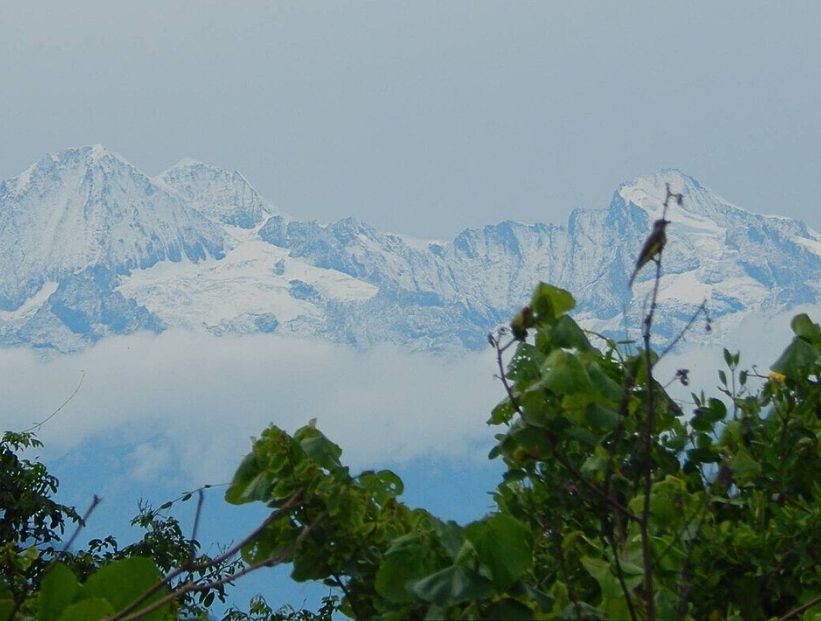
(452,585)
(567,333)
(122,581)
(806,328)
(404,562)
(503,546)
(797,361)
(549,303)
(564,374)
(601,417)
(92,609)
(57,591)
(381,485)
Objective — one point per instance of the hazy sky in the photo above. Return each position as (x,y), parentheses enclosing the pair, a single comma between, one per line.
(426,117)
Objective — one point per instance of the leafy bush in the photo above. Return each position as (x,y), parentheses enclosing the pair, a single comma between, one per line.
(615,504)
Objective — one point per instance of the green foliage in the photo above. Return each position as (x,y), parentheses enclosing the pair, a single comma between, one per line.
(615,504)
(726,500)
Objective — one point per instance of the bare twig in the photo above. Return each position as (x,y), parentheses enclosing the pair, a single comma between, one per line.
(96,500)
(189,587)
(73,394)
(502,376)
(287,506)
(620,574)
(644,524)
(702,308)
(803,607)
(200,499)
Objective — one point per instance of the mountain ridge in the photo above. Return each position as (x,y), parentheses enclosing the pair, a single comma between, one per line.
(199,248)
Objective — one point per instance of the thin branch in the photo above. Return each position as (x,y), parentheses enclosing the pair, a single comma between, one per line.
(802,608)
(37,426)
(188,587)
(620,575)
(289,504)
(200,499)
(702,308)
(644,524)
(96,500)
(503,376)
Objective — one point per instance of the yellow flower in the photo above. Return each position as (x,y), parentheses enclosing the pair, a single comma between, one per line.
(776,377)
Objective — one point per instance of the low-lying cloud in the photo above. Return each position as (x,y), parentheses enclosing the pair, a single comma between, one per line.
(185,405)
(186,402)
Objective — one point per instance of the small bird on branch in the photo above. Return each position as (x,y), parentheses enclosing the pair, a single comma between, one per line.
(652,247)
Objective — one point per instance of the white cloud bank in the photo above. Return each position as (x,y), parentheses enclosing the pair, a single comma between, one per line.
(187,404)
(180,400)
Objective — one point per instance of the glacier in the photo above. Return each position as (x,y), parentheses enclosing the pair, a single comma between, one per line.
(91,246)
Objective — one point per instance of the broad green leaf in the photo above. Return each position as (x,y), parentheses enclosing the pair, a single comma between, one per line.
(452,585)
(585,436)
(534,408)
(273,540)
(601,416)
(503,546)
(593,465)
(599,569)
(549,302)
(502,413)
(309,563)
(567,333)
(564,374)
(121,582)
(382,485)
(318,447)
(451,537)
(400,566)
(806,328)
(744,467)
(717,410)
(57,591)
(603,383)
(91,609)
(243,487)
(524,365)
(533,441)
(798,360)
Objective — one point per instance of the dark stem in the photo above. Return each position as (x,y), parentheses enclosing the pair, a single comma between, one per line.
(797,611)
(189,587)
(702,308)
(644,523)
(289,504)
(37,426)
(200,499)
(96,500)
(620,574)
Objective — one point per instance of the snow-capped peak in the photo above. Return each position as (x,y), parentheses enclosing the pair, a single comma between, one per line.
(86,207)
(225,196)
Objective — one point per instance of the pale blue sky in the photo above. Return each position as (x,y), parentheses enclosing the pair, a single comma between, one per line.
(426,117)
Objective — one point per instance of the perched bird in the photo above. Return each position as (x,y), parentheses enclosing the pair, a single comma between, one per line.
(521,322)
(652,246)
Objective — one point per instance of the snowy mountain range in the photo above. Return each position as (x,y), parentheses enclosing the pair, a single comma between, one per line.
(91,246)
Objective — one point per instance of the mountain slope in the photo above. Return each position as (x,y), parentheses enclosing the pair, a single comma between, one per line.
(88,207)
(92,246)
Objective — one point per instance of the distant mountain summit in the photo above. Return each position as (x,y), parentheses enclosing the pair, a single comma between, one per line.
(88,207)
(91,246)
